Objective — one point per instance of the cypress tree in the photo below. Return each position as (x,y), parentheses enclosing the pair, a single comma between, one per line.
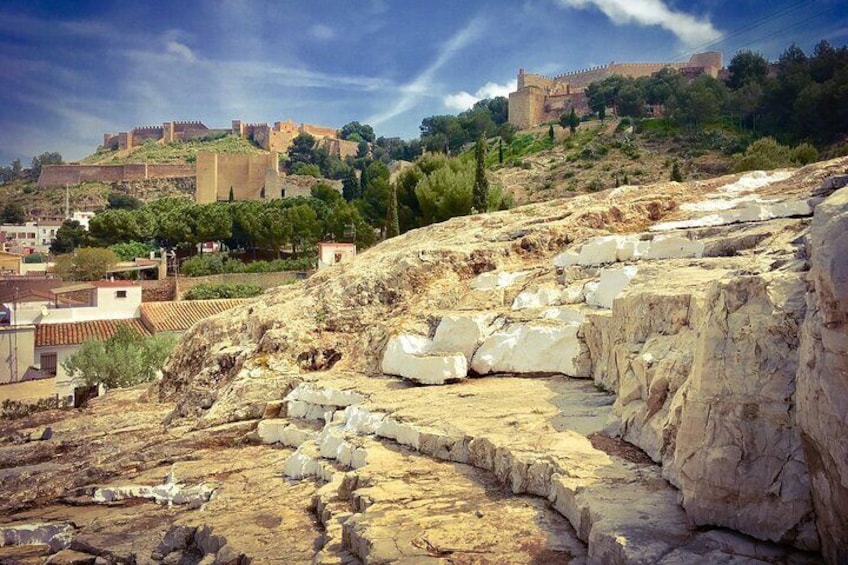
(481,183)
(392,221)
(551,133)
(573,121)
(676,173)
(232,196)
(500,150)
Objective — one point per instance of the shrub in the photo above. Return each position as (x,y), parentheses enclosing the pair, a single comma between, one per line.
(131,250)
(216,291)
(125,359)
(766,153)
(15,409)
(203,265)
(35,258)
(212,264)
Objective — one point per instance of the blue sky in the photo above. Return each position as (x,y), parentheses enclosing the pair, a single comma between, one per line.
(74,69)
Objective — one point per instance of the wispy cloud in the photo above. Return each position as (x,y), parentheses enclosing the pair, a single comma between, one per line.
(322,32)
(415,90)
(463,100)
(181,50)
(689,29)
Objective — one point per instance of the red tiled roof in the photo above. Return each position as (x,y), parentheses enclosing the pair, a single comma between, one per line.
(180,316)
(75,333)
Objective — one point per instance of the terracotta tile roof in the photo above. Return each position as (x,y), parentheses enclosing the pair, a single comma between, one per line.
(75,333)
(180,316)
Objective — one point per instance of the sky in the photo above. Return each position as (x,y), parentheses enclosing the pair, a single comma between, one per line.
(74,70)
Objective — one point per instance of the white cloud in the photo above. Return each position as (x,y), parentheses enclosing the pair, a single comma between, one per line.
(689,29)
(322,32)
(181,50)
(413,91)
(463,100)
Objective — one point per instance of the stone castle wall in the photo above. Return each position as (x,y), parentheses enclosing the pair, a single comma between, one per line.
(540,98)
(61,175)
(245,174)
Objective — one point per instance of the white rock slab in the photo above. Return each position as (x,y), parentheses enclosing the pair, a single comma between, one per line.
(572,294)
(536,298)
(566,259)
(493,280)
(462,334)
(531,348)
(311,394)
(612,283)
(600,250)
(170,492)
(409,356)
(57,535)
(632,249)
(674,247)
(279,430)
(755,212)
(567,315)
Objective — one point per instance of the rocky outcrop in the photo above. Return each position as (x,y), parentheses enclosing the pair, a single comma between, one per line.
(822,381)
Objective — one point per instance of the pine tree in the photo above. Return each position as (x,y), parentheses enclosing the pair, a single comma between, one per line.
(481,183)
(573,121)
(392,221)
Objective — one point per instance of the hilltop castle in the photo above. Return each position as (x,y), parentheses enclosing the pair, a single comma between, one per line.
(539,99)
(271,138)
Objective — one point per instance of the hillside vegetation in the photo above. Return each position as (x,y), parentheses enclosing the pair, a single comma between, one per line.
(175,152)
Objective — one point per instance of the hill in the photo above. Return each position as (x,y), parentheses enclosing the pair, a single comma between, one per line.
(647,374)
(175,152)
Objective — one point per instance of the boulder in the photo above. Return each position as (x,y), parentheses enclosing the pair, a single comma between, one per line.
(612,283)
(462,333)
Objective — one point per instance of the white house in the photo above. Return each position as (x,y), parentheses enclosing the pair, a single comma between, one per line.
(30,237)
(98,300)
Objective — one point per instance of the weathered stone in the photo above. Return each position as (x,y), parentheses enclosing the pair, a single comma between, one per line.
(533,348)
(822,380)
(409,356)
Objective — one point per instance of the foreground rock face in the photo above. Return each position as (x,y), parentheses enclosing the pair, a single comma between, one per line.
(822,398)
(709,317)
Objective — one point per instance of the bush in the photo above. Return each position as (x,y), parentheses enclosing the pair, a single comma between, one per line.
(131,250)
(766,153)
(216,291)
(35,258)
(211,264)
(15,409)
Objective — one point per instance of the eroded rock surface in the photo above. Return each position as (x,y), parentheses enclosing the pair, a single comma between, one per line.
(710,318)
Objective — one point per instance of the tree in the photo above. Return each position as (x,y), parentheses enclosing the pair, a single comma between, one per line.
(127,251)
(363,131)
(39,161)
(500,150)
(392,221)
(85,264)
(481,183)
(125,359)
(232,196)
(301,150)
(305,227)
(121,201)
(569,120)
(69,236)
(746,66)
(551,133)
(13,213)
(350,185)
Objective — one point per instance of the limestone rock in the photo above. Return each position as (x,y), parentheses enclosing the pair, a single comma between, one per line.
(612,283)
(409,356)
(533,348)
(822,380)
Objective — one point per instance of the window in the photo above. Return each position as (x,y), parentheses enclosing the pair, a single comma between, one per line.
(120,294)
(48,363)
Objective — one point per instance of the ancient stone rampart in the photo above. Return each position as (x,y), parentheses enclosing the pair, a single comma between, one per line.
(61,175)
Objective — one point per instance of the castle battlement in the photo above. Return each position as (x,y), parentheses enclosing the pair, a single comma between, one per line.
(151,129)
(581,71)
(189,123)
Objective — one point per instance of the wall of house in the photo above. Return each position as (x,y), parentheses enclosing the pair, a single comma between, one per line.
(16,352)
(108,307)
(64,384)
(29,391)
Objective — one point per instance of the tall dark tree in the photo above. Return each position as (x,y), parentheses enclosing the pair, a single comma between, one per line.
(481,183)
(302,149)
(13,214)
(569,120)
(392,220)
(500,150)
(746,66)
(69,236)
(363,131)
